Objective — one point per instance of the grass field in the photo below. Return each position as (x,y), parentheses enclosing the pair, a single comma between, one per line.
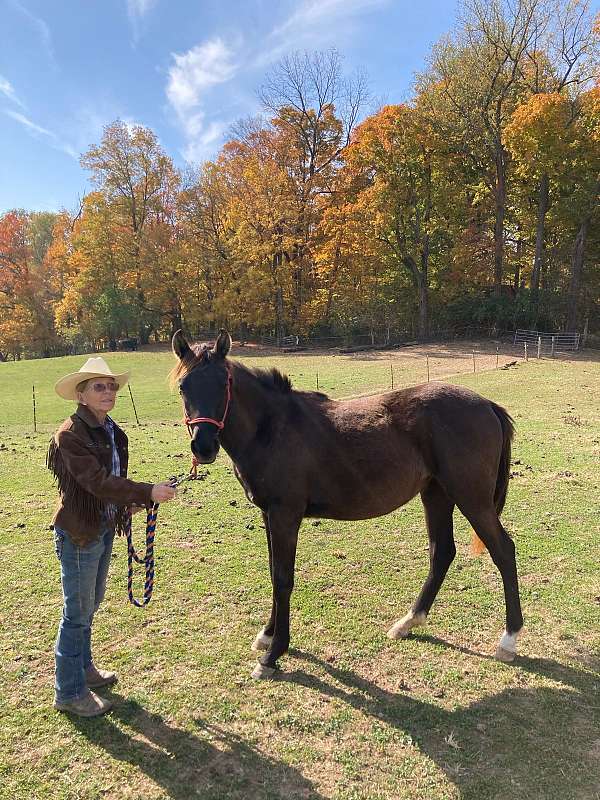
(353,715)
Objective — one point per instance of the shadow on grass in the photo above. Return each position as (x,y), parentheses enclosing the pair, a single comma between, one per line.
(534,742)
(214,765)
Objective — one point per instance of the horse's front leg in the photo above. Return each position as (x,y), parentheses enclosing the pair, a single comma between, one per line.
(282,525)
(265,635)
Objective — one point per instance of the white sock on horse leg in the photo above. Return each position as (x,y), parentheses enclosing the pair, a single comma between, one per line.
(507,647)
(402,628)
(262,641)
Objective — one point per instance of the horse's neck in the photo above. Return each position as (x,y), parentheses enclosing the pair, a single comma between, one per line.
(250,402)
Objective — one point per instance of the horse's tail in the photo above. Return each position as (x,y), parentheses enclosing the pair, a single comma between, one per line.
(508,431)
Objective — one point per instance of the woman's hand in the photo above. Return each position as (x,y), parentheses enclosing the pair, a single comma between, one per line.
(161,492)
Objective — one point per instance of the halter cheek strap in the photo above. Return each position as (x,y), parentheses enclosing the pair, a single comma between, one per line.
(219,423)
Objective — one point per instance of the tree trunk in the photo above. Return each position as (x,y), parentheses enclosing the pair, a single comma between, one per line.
(423,310)
(499,222)
(517,272)
(420,280)
(279,321)
(540,230)
(576,273)
(176,320)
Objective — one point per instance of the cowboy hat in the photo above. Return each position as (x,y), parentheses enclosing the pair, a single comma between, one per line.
(93,368)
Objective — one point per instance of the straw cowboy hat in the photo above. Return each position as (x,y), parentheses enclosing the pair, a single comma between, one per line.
(93,368)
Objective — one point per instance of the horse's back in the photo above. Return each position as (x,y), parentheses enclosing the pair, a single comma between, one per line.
(459,433)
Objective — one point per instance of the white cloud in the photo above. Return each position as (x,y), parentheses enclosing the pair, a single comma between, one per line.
(202,138)
(54,140)
(28,123)
(315,12)
(41,26)
(139,7)
(192,75)
(136,11)
(311,24)
(197,70)
(7,89)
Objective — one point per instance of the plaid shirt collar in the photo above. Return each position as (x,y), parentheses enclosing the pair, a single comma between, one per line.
(109,427)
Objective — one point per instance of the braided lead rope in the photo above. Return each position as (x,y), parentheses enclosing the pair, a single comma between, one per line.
(148,558)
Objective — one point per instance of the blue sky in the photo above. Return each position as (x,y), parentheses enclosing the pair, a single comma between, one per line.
(186,69)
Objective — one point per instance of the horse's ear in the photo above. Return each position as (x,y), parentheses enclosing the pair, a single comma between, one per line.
(180,345)
(223,344)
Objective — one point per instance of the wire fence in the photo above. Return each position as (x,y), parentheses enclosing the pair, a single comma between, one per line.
(379,371)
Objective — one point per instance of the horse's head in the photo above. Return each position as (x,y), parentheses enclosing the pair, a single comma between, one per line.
(204,380)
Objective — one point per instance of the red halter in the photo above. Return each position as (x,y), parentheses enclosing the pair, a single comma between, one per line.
(219,423)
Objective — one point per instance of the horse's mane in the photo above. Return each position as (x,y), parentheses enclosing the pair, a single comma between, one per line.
(271,379)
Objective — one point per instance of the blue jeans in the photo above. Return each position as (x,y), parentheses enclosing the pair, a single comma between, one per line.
(83,572)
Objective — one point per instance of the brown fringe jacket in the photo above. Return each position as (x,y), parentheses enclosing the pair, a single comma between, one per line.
(80,456)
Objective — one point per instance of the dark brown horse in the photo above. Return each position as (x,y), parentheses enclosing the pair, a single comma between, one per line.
(301,454)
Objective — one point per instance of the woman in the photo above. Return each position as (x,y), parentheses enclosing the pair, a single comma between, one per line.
(88,456)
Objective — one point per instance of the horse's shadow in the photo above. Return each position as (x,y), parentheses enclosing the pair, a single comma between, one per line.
(213,765)
(539,743)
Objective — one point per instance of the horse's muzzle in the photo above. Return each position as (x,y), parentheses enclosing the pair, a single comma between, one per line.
(205,455)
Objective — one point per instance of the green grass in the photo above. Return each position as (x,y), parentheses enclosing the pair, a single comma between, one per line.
(353,715)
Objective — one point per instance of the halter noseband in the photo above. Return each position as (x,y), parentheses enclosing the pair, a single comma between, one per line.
(219,423)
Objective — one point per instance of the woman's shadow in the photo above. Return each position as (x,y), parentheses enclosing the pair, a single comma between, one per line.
(213,765)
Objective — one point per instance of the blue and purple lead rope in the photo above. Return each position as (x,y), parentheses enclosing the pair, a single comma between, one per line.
(148,559)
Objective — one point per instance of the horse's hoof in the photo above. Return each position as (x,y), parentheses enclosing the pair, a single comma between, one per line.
(403,627)
(262,673)
(504,655)
(398,631)
(262,642)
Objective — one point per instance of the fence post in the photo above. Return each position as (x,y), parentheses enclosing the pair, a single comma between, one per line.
(133,404)
(427,357)
(392,374)
(496,356)
(553,340)
(525,345)
(34,415)
(539,346)
(317,381)
(473,360)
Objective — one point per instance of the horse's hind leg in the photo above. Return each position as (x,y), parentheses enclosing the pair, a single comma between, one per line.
(488,527)
(438,514)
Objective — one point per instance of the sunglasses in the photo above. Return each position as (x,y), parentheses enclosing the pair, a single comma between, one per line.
(111,386)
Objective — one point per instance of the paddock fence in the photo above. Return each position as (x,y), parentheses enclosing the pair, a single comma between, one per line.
(547,342)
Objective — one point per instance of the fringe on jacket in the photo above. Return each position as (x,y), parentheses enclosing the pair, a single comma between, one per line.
(76,499)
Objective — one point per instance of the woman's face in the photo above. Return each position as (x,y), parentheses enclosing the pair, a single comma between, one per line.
(99,395)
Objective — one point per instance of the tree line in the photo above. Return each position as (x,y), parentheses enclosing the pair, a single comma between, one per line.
(475,202)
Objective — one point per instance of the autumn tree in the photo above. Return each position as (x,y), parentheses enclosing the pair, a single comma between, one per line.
(205,246)
(139,183)
(315,109)
(26,321)
(584,201)
(401,194)
(261,216)
(501,53)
